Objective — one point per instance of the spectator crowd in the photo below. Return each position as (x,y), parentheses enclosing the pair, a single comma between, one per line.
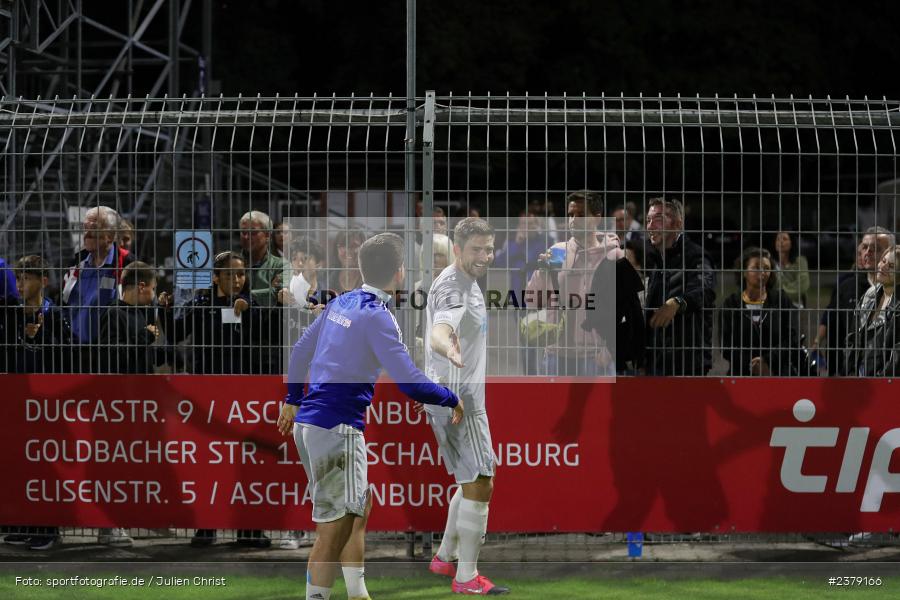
(655,311)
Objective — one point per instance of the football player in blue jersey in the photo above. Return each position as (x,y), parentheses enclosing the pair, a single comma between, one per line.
(341,355)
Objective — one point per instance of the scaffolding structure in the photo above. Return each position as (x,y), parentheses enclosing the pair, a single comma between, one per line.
(71,48)
(89,55)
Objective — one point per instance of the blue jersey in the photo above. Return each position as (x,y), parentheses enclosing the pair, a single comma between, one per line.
(343,352)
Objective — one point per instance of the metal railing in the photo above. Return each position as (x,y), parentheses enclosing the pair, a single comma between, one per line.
(820,171)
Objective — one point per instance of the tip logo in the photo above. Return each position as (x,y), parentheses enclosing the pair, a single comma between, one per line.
(795,441)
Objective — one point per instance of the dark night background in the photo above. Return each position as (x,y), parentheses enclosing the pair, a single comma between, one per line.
(821,183)
(800,47)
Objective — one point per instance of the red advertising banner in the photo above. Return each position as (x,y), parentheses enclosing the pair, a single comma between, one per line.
(638,454)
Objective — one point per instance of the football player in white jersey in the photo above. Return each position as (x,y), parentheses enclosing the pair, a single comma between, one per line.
(456,354)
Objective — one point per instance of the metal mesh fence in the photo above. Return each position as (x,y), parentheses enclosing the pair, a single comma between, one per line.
(689,186)
(805,181)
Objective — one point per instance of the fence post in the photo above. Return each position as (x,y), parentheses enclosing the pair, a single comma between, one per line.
(410,156)
(407,323)
(410,544)
(428,191)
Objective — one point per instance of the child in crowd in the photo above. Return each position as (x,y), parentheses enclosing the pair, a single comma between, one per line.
(37,331)
(128,327)
(226,325)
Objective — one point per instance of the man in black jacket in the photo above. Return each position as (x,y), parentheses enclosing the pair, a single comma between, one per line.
(680,295)
(617,316)
(837,319)
(128,327)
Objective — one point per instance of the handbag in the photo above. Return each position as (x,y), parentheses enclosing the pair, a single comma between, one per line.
(537,329)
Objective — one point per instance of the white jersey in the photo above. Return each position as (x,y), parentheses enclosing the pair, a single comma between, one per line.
(456,299)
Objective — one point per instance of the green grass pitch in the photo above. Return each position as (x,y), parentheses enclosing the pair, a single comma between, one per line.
(430,587)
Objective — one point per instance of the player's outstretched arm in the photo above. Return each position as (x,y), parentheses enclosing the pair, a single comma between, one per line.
(385,341)
(444,342)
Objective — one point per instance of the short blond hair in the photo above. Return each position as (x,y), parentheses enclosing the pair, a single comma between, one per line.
(440,245)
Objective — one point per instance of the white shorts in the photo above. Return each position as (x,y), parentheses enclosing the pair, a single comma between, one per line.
(335,464)
(466,448)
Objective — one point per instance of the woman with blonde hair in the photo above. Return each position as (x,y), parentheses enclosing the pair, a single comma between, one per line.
(442,251)
(343,272)
(873,345)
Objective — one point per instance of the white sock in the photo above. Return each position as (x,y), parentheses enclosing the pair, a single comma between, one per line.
(449,543)
(314,592)
(471,524)
(355,578)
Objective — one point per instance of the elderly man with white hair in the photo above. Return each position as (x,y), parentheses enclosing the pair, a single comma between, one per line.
(266,269)
(92,284)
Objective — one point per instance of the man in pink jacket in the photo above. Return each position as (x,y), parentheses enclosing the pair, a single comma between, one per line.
(563,287)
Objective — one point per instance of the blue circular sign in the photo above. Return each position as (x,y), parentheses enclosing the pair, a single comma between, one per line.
(192,253)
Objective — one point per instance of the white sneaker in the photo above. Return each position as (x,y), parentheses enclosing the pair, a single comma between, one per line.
(290,540)
(837,542)
(861,538)
(293,540)
(117,537)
